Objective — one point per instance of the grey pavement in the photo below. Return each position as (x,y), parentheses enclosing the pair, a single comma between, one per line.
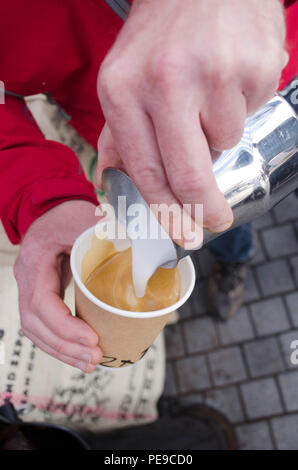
(248,367)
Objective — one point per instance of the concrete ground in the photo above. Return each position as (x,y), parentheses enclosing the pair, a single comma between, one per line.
(243,367)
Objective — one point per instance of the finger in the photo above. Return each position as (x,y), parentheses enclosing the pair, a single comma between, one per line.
(261,86)
(31,323)
(187,160)
(52,311)
(140,154)
(58,318)
(65,274)
(84,366)
(107,154)
(223,119)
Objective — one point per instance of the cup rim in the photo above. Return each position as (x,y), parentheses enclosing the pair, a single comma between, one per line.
(118,311)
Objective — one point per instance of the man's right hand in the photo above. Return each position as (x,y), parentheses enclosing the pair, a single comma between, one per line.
(180,81)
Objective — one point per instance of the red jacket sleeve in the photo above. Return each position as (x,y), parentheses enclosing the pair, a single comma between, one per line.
(291,69)
(35,174)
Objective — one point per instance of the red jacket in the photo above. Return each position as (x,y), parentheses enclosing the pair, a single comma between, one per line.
(57,46)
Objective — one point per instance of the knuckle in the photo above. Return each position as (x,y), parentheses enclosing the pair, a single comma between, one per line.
(188,181)
(151,179)
(111,90)
(219,71)
(165,67)
(105,83)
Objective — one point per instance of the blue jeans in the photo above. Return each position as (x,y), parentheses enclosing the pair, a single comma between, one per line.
(237,245)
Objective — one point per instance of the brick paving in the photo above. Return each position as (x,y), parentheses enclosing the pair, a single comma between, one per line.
(243,367)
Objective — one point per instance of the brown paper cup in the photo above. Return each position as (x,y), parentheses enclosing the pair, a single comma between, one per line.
(124,336)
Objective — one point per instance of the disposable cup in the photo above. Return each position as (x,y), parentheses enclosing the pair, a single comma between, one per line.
(124,336)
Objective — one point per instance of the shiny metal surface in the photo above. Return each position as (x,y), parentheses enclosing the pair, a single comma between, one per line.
(263,168)
(253,176)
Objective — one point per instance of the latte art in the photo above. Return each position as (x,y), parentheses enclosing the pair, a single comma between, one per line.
(112,283)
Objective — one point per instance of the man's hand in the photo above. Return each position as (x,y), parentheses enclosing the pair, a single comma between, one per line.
(42,273)
(179,83)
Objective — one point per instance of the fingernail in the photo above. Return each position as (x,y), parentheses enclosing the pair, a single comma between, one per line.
(220,228)
(84,341)
(192,240)
(81,365)
(86,358)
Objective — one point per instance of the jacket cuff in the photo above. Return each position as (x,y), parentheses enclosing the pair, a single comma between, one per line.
(41,196)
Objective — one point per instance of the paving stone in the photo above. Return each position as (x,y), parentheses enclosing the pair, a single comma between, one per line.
(263,357)
(285,432)
(255,436)
(289,387)
(173,341)
(274,277)
(292,303)
(288,353)
(287,209)
(237,329)
(261,398)
(227,366)
(251,289)
(226,400)
(192,374)
(280,241)
(294,268)
(264,221)
(270,316)
(200,335)
(170,388)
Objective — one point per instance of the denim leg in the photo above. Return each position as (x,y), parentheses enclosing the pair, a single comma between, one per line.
(237,245)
